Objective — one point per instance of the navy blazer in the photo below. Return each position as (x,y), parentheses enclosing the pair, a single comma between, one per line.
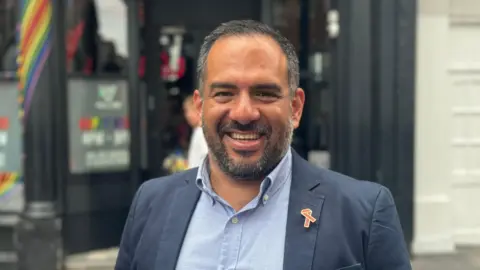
(357,223)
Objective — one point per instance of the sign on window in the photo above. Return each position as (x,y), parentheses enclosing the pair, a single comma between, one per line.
(98,126)
(11,183)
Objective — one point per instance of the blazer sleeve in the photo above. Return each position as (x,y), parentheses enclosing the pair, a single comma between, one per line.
(386,247)
(127,244)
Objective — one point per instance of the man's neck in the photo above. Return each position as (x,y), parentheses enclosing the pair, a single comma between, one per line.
(236,193)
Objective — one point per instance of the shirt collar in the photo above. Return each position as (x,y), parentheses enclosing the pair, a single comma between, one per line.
(269,186)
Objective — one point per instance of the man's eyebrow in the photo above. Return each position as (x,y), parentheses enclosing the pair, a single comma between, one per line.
(223,85)
(267,86)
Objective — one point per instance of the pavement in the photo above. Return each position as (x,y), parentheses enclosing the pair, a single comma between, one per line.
(463,259)
(94,260)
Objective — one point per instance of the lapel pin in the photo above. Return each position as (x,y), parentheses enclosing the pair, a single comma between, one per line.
(307,213)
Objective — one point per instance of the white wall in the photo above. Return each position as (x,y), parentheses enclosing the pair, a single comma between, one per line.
(447,127)
(433,227)
(464,75)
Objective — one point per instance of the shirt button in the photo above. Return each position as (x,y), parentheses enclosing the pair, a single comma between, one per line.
(235,220)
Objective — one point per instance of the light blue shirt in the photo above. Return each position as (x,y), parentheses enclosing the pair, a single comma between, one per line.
(253,238)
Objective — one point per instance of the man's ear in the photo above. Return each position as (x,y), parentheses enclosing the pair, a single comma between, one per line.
(197,101)
(298,102)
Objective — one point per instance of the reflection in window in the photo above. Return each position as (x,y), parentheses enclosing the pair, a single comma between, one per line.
(286,18)
(318,25)
(89,52)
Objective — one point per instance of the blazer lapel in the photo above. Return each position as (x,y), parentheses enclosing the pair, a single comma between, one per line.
(176,224)
(300,241)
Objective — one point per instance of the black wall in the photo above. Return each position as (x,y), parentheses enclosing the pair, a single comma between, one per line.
(373,86)
(205,15)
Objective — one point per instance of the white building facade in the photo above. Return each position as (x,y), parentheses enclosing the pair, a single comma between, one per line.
(447,126)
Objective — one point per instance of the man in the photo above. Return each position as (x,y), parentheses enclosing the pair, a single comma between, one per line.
(198,149)
(254,203)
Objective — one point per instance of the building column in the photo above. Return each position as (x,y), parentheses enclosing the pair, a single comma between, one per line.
(464,83)
(43,102)
(433,218)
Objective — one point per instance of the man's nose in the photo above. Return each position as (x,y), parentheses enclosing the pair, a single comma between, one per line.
(244,110)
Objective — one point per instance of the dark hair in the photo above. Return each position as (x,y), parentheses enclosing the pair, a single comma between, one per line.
(249,27)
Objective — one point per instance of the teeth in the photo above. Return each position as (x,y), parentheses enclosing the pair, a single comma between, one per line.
(252,136)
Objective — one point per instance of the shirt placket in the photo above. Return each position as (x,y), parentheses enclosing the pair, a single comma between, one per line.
(231,242)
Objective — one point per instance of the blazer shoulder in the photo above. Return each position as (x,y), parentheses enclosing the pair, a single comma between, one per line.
(347,181)
(355,190)
(339,185)
(164,186)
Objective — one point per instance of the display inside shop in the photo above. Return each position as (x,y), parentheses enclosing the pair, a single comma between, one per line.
(11,184)
(177,59)
(98,126)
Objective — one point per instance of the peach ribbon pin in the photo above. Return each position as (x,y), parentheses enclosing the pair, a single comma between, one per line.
(307,213)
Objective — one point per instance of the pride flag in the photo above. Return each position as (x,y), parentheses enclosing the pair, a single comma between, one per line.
(34,47)
(7,181)
(96,122)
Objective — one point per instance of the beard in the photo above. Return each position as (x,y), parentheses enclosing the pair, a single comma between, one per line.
(277,144)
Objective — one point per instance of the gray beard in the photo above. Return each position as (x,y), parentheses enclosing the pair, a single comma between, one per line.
(272,155)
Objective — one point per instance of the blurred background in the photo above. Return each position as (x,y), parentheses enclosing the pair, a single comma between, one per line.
(393,96)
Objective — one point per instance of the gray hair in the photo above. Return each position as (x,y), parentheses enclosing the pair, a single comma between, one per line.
(250,27)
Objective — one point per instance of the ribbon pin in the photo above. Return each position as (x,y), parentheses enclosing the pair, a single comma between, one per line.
(307,213)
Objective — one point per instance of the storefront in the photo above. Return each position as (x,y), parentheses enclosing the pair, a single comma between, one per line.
(357,67)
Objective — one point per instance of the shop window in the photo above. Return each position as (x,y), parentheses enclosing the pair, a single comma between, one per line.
(286,18)
(96,37)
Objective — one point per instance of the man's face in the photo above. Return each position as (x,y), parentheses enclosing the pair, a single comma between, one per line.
(248,115)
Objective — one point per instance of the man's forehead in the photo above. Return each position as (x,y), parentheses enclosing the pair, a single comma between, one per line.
(243,83)
(245,47)
(247,39)
(246,56)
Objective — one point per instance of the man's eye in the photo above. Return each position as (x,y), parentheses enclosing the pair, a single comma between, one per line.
(223,94)
(266,95)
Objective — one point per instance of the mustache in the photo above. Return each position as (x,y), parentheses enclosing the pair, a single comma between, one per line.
(256,127)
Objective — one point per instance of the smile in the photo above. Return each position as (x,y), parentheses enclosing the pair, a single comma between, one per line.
(245,142)
(245,136)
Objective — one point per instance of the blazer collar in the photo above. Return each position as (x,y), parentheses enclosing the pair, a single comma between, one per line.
(304,194)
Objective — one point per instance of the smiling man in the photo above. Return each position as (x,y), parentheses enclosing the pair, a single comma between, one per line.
(254,203)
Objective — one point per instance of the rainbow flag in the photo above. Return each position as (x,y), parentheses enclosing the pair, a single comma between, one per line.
(8,180)
(96,122)
(34,47)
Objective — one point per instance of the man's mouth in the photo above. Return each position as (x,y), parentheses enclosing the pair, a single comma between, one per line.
(245,142)
(244,136)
